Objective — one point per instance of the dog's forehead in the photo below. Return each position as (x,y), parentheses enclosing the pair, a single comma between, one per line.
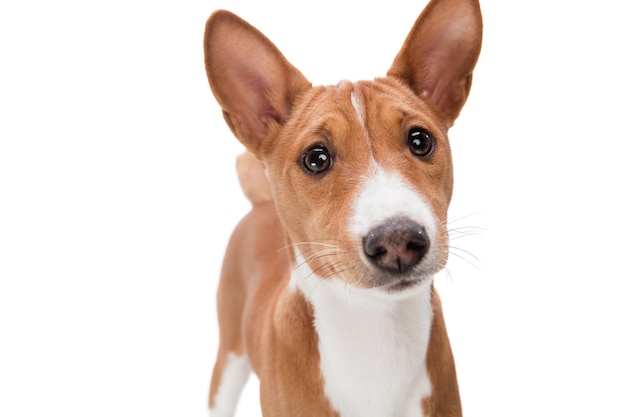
(374,109)
(364,124)
(385,101)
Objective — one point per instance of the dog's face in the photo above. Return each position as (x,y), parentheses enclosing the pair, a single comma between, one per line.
(361,172)
(353,158)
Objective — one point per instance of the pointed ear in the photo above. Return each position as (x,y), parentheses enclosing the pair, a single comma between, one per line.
(439,55)
(252,81)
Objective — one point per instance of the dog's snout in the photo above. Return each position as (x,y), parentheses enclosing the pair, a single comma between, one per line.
(396,245)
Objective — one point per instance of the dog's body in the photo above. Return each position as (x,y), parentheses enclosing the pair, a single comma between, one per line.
(327,284)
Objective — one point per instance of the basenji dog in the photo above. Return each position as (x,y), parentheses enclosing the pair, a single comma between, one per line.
(326,290)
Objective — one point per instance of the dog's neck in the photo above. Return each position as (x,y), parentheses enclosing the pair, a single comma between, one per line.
(372,344)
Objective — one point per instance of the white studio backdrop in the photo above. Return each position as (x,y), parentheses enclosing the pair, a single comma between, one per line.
(118,194)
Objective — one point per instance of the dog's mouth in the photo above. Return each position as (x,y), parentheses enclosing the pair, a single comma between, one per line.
(403,284)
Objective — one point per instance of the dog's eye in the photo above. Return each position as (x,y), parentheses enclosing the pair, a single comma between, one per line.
(317,159)
(420,142)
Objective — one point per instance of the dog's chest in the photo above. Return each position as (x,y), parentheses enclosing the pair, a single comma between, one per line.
(372,357)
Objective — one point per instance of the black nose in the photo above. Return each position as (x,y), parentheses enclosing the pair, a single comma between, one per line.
(396,245)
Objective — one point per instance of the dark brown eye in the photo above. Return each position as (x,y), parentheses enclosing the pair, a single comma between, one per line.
(317,159)
(420,142)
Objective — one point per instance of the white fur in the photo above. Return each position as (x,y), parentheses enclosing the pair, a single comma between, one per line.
(234,377)
(356,103)
(386,194)
(372,345)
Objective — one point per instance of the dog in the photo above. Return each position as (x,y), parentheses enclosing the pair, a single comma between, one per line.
(326,290)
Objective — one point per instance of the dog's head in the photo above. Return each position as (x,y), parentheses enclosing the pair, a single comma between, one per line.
(361,172)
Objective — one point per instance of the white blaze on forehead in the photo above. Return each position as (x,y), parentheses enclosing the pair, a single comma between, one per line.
(356,103)
(384,195)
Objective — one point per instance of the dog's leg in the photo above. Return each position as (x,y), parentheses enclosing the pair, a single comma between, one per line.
(230,374)
(232,367)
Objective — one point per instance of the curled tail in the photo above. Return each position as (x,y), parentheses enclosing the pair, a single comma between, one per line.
(254,182)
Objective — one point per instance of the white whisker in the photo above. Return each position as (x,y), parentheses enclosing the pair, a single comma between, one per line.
(465,259)
(295,245)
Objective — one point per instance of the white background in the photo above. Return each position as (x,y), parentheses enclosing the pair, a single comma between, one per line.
(118,193)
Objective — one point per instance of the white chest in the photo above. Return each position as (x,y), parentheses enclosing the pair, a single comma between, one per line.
(372,348)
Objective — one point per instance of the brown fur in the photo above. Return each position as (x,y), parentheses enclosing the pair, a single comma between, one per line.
(276,113)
